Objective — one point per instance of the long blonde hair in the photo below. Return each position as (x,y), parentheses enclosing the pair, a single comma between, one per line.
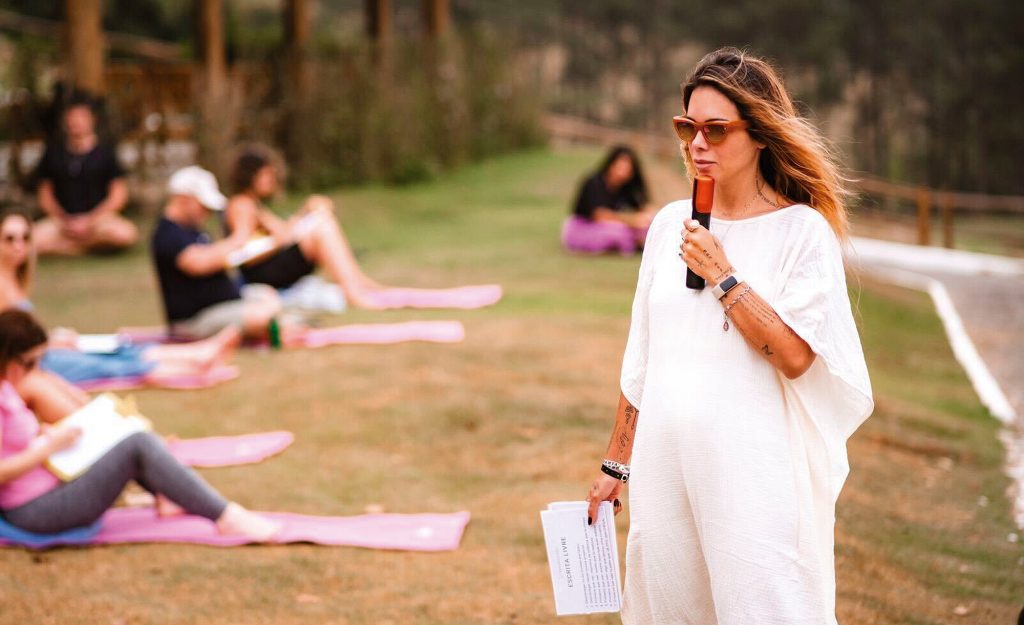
(797,161)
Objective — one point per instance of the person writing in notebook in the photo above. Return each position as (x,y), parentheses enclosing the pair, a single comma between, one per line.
(34,499)
(737,400)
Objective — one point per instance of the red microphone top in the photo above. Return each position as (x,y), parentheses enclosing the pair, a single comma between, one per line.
(703,193)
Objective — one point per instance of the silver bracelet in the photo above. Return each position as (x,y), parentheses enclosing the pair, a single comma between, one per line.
(743,293)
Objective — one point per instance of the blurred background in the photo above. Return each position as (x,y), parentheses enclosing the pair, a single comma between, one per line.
(400,90)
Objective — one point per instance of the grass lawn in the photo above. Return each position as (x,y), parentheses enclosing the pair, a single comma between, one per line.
(516,416)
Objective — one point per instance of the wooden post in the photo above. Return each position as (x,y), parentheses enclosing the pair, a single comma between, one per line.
(211,41)
(298,80)
(436,17)
(379,28)
(85,44)
(946,207)
(296,41)
(924,209)
(213,135)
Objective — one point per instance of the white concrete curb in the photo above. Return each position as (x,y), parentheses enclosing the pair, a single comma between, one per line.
(984,383)
(921,258)
(870,253)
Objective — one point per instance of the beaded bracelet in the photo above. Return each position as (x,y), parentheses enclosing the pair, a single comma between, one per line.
(725,325)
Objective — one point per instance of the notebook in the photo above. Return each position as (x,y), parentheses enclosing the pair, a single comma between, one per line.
(105,421)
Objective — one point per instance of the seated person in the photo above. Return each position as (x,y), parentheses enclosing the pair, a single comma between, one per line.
(200,298)
(611,212)
(82,191)
(34,499)
(45,388)
(310,239)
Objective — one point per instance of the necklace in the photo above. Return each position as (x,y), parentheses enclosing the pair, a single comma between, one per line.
(757,185)
(757,194)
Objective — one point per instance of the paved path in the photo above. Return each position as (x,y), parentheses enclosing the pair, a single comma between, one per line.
(986,294)
(992,309)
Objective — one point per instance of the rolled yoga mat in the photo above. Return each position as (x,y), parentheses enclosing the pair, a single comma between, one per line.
(402,532)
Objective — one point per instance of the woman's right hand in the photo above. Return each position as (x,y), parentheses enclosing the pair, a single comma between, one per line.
(604,488)
(60,437)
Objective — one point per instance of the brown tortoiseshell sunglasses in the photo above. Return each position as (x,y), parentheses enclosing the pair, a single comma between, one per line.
(714,132)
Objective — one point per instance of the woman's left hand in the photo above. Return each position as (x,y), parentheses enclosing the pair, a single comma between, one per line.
(702,252)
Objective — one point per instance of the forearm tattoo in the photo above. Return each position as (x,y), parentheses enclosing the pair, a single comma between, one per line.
(761,313)
(623,435)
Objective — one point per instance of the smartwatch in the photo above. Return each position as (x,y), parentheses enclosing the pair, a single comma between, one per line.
(726,285)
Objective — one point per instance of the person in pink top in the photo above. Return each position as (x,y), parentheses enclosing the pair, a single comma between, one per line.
(33,499)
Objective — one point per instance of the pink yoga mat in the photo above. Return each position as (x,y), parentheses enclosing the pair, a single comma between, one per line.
(213,377)
(380,333)
(465,297)
(226,451)
(406,532)
(355,334)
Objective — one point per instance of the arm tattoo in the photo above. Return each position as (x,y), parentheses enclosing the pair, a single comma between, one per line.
(766,351)
(623,435)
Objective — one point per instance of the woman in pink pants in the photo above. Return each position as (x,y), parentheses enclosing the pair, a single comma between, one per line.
(611,212)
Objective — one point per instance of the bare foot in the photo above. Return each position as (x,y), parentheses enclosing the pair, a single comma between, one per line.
(239,521)
(226,340)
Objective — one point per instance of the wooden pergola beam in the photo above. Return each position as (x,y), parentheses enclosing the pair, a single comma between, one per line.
(145,47)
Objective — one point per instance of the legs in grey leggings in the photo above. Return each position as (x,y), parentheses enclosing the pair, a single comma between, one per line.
(141,457)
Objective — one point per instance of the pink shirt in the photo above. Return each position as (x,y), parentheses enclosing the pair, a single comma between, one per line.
(18,427)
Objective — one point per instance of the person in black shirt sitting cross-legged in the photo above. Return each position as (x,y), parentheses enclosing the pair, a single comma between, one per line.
(200,298)
(82,191)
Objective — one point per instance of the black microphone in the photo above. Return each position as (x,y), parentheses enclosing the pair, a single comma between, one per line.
(703,196)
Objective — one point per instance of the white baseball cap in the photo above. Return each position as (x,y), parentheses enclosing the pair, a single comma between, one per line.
(200,184)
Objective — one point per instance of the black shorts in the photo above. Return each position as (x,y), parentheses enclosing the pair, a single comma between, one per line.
(280,270)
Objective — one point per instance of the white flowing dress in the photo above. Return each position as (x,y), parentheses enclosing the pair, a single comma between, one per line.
(735,468)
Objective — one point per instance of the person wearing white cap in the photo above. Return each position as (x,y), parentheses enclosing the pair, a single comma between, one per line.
(200,298)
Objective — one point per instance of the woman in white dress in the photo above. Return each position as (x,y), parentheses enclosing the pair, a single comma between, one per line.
(737,400)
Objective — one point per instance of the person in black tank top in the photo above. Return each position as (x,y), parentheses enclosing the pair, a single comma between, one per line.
(308,239)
